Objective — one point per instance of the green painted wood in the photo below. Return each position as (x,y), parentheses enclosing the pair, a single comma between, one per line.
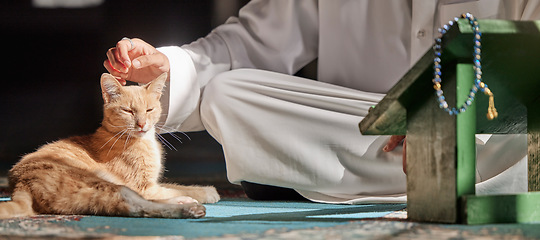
(465,133)
(520,208)
(509,69)
(533,136)
(389,116)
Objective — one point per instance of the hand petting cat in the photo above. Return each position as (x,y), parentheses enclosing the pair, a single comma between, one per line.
(135,60)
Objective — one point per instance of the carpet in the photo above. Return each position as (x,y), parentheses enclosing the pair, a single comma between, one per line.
(227,218)
(245,219)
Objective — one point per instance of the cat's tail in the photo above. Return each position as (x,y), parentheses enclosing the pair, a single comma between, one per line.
(19,206)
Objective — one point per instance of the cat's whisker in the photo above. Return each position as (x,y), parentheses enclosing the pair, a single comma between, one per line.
(118,138)
(173,135)
(185,134)
(127,141)
(166,143)
(171,131)
(123,126)
(179,139)
(111,138)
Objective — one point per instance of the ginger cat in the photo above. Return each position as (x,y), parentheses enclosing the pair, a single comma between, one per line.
(113,172)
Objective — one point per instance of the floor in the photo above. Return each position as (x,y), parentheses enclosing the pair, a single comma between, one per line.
(236,217)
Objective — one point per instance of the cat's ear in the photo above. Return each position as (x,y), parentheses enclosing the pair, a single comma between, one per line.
(110,87)
(155,87)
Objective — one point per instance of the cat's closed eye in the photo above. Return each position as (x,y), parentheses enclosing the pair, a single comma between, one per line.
(127,110)
(149,110)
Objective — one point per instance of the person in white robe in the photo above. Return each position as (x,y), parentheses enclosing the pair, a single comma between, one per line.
(280,130)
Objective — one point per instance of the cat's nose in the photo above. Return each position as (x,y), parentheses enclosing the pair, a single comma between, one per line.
(141,124)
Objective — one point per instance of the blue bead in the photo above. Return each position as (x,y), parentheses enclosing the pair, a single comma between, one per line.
(443,105)
(437,72)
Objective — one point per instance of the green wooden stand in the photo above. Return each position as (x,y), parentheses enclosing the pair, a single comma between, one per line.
(441,149)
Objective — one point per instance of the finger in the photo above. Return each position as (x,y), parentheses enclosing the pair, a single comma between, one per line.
(393,142)
(122,81)
(405,156)
(114,59)
(158,61)
(124,46)
(118,75)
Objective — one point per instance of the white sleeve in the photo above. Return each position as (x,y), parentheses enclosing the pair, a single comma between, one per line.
(181,95)
(279,36)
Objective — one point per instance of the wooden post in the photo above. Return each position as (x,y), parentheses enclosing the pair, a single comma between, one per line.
(441,148)
(431,166)
(441,152)
(533,132)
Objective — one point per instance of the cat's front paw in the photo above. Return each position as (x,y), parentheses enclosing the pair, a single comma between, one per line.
(180,200)
(212,196)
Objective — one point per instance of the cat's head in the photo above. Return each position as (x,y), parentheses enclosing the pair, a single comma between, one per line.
(132,109)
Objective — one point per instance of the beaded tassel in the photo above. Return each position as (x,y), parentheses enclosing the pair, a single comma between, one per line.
(478,84)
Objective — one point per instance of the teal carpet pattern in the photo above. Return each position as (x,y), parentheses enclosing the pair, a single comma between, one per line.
(226,218)
(243,219)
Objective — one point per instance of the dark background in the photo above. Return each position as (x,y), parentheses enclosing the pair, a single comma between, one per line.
(52,60)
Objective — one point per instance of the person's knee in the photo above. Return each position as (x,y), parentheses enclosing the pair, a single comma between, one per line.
(221,92)
(218,89)
(225,87)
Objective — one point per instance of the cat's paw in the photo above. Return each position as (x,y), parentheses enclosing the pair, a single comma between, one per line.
(179,200)
(196,210)
(212,196)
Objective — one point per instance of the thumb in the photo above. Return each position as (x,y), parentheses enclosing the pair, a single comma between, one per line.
(393,142)
(159,61)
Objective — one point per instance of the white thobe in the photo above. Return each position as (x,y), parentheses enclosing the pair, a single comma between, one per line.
(292,132)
